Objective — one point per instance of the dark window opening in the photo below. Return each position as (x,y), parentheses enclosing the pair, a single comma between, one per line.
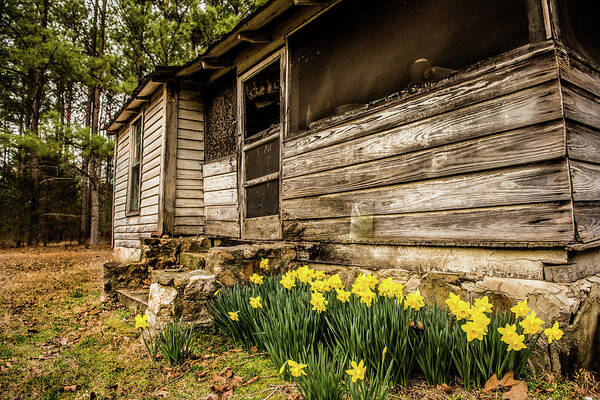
(360,51)
(262,102)
(580,27)
(135,166)
(262,160)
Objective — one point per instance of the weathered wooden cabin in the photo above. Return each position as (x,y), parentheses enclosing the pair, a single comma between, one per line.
(457,136)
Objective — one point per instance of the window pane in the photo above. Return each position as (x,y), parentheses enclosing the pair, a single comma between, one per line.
(262,160)
(137,135)
(262,199)
(134,188)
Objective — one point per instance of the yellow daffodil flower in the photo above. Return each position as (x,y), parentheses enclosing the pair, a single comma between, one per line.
(256,279)
(335,282)
(343,295)
(521,309)
(234,316)
(264,264)
(367,297)
(318,302)
(297,369)
(452,302)
(319,286)
(479,319)
(319,275)
(305,274)
(141,322)
(515,342)
(414,300)
(358,371)
(483,304)
(288,281)
(473,331)
(255,302)
(531,324)
(507,331)
(553,333)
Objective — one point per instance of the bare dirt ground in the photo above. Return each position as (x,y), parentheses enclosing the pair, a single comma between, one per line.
(59,341)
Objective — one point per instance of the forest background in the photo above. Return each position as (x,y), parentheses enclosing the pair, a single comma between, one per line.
(66,66)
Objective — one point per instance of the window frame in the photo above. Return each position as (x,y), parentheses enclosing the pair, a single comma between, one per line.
(138,121)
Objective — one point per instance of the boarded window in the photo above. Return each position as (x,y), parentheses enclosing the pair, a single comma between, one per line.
(362,51)
(221,114)
(135,166)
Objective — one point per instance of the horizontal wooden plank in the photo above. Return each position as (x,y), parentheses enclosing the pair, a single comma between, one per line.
(152,120)
(189,212)
(190,144)
(527,107)
(151,192)
(583,142)
(188,230)
(220,182)
(189,203)
(262,228)
(151,209)
(579,75)
(190,221)
(546,222)
(190,134)
(189,193)
(121,219)
(149,201)
(191,184)
(189,164)
(581,106)
(224,165)
(150,183)
(221,197)
(222,228)
(132,244)
(190,94)
(190,105)
(222,213)
(148,174)
(521,185)
(193,115)
(189,174)
(525,145)
(189,124)
(586,180)
(135,228)
(587,220)
(512,78)
(186,154)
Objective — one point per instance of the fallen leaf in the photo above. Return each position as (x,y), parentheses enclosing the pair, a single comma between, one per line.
(161,392)
(69,388)
(492,384)
(254,349)
(517,392)
(508,380)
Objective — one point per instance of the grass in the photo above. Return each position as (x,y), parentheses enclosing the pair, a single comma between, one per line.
(58,341)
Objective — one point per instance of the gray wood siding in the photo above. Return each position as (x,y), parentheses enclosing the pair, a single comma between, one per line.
(479,161)
(129,229)
(189,185)
(221,197)
(581,102)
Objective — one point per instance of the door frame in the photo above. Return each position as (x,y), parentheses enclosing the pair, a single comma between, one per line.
(267,227)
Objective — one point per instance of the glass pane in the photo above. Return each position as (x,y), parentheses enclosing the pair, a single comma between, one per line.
(137,137)
(134,188)
(262,199)
(262,160)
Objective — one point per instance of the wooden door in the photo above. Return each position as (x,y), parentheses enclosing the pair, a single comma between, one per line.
(261,105)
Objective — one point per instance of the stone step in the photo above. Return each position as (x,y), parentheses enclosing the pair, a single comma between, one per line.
(193,261)
(135,300)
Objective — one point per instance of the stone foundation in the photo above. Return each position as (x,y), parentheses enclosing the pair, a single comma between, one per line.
(575,305)
(560,285)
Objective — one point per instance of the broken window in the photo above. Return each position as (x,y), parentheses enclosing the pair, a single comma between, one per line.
(579,26)
(361,51)
(135,165)
(261,131)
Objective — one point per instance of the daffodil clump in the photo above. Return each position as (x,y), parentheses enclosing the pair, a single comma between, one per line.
(293,315)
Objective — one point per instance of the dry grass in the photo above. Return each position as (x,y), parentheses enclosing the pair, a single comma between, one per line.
(58,341)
